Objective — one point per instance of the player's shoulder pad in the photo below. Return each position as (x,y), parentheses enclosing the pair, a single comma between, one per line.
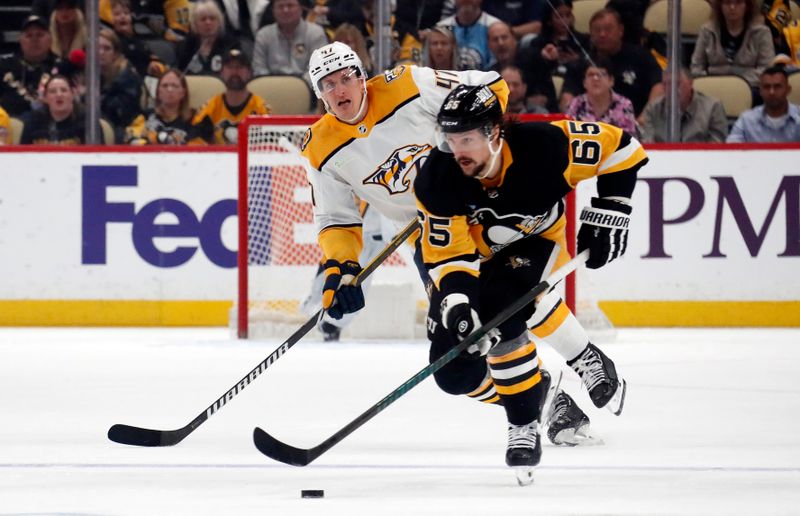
(321,140)
(442,188)
(538,139)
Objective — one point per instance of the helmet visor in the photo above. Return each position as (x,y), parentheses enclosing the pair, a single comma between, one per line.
(346,78)
(462,142)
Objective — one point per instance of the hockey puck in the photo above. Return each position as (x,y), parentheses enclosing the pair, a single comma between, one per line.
(312,493)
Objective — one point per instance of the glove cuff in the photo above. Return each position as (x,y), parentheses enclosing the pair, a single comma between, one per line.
(614,204)
(450,301)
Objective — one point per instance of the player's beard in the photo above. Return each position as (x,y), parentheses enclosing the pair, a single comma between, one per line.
(235,83)
(476,169)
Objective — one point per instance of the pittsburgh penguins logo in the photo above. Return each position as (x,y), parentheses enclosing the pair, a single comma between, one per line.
(393,173)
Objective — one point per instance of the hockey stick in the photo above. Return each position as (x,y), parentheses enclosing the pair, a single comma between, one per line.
(137,436)
(287,454)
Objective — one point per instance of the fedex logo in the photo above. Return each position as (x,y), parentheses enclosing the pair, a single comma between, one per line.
(98,212)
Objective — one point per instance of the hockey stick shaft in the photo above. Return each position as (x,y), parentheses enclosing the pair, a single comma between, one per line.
(137,436)
(287,454)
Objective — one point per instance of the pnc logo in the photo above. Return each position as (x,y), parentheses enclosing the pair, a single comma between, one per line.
(98,212)
(393,174)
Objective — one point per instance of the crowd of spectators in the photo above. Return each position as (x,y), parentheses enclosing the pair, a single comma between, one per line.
(614,74)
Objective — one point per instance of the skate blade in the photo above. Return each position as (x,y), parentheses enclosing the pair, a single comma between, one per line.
(524,475)
(581,437)
(617,401)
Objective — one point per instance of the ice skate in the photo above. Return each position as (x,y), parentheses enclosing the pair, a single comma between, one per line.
(599,375)
(330,333)
(568,425)
(524,450)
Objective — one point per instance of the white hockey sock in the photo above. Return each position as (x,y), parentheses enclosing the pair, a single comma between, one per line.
(554,323)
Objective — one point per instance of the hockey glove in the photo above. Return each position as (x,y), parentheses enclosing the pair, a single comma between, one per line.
(459,319)
(604,230)
(339,297)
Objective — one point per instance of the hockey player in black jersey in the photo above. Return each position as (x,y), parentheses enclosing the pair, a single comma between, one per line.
(491,206)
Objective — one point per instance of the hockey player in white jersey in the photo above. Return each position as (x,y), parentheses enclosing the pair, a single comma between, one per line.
(371,144)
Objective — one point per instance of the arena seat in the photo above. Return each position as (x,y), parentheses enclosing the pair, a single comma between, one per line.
(202,88)
(694,13)
(794,82)
(733,91)
(284,94)
(16,130)
(583,11)
(108,132)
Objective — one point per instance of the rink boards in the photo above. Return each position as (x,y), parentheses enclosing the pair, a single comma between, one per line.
(143,237)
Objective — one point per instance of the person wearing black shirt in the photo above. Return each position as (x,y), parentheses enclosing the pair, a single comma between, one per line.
(21,73)
(60,122)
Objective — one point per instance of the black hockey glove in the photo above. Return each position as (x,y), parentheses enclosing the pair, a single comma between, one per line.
(459,319)
(337,287)
(604,230)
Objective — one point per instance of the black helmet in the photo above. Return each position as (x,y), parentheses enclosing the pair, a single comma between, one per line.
(469,107)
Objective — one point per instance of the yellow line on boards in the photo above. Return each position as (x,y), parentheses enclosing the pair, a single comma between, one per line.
(702,313)
(113,313)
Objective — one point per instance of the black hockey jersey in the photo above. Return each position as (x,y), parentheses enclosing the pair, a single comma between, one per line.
(465,219)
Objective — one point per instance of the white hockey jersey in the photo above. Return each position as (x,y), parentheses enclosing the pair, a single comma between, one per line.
(378,158)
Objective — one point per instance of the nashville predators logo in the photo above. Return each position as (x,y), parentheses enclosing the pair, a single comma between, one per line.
(393,174)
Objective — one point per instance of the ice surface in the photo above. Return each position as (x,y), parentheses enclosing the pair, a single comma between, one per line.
(709,427)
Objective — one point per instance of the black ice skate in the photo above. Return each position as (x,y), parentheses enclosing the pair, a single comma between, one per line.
(524,450)
(568,425)
(330,333)
(599,375)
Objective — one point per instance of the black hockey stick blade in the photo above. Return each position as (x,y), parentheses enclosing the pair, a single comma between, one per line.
(282,452)
(137,436)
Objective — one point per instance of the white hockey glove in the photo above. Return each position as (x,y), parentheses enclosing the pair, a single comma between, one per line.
(604,230)
(460,320)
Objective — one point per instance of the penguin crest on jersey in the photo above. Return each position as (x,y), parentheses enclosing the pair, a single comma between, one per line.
(393,173)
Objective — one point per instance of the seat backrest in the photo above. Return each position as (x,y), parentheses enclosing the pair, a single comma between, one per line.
(733,91)
(794,82)
(583,11)
(284,94)
(694,13)
(16,130)
(108,131)
(202,88)
(558,84)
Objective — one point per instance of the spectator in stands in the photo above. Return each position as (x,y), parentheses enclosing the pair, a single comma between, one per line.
(170,123)
(522,16)
(67,28)
(44,8)
(120,85)
(133,47)
(167,19)
(502,44)
(442,51)
(632,14)
(202,50)
(422,15)
(5,127)
(352,37)
(407,45)
(601,103)
(558,46)
(284,47)
(61,121)
(777,120)
(702,118)
(735,41)
(517,92)
(22,73)
(637,75)
(243,18)
(222,113)
(471,24)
